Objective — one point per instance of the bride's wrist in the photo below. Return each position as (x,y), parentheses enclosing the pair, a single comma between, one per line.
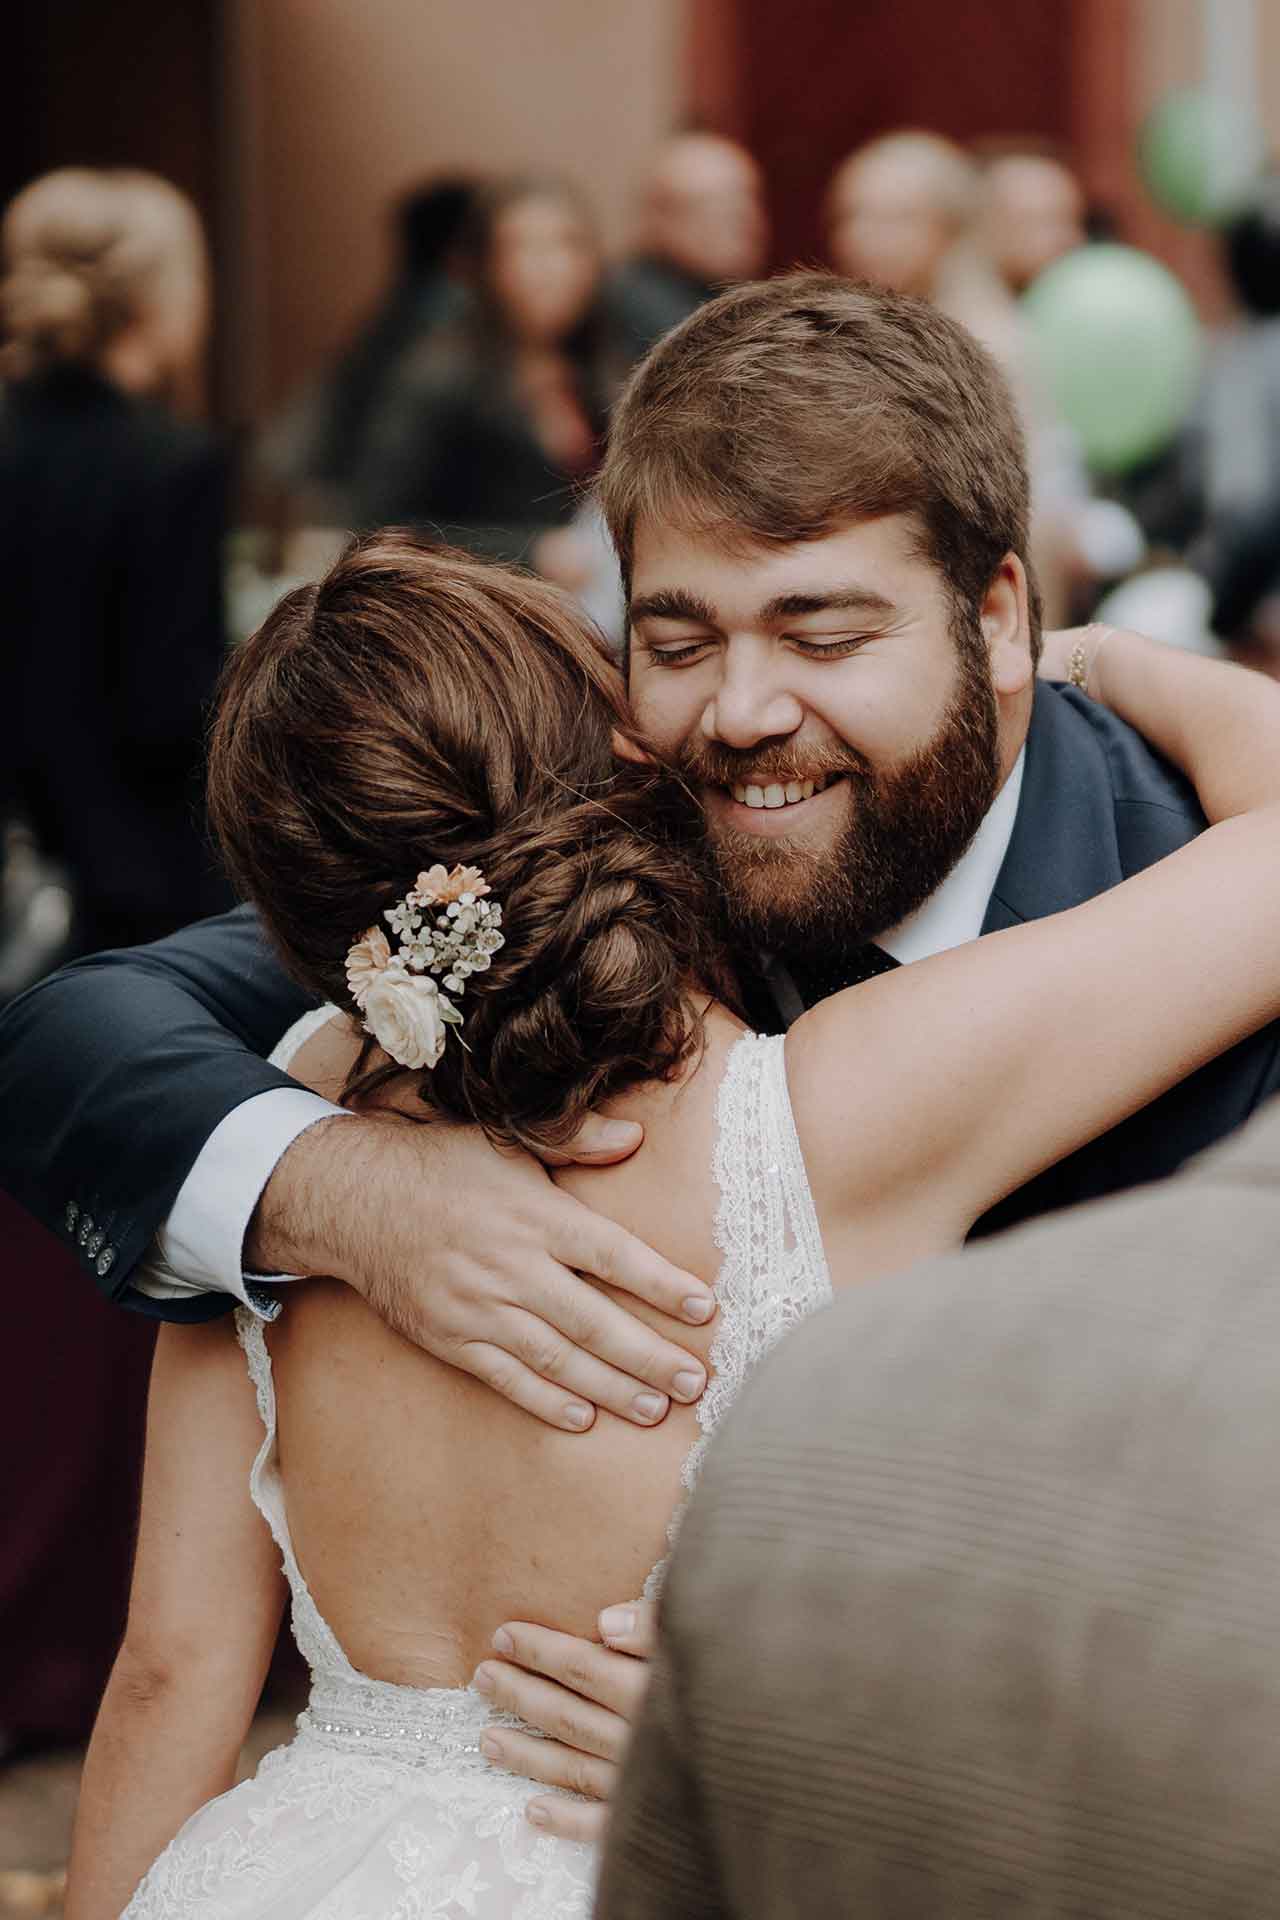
(1084,665)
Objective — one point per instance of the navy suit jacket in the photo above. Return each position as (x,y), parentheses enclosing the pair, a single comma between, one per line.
(1096,806)
(115,1071)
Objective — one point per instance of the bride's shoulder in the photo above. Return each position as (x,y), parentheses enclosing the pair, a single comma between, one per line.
(319,1050)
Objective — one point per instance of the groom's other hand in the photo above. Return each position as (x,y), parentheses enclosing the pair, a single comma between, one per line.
(473,1254)
(583,1697)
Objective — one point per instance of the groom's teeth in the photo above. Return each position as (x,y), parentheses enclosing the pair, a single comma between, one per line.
(776,795)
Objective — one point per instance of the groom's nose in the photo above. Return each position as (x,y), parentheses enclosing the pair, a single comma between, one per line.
(751,703)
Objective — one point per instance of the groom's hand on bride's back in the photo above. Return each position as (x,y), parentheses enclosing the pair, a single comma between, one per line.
(474,1254)
(583,1697)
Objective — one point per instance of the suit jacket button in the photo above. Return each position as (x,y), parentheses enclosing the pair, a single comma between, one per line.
(86,1228)
(106,1260)
(71,1216)
(95,1243)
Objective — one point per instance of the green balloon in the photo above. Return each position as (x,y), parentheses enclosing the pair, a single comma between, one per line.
(1200,157)
(1119,345)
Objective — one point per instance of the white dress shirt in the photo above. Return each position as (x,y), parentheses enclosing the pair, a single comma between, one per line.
(199,1249)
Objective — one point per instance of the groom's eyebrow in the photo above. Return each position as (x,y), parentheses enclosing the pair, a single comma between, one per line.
(672,603)
(790,606)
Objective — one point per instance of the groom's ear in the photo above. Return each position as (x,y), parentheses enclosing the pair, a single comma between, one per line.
(1006,627)
(626,748)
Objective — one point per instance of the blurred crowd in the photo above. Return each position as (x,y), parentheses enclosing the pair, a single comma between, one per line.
(474,400)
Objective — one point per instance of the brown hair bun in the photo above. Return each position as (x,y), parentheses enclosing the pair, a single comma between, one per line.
(422,706)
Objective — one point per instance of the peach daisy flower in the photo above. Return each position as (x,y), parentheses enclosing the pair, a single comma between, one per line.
(436,888)
(366,960)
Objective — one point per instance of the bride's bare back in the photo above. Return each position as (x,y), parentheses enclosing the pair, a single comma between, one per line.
(424,1509)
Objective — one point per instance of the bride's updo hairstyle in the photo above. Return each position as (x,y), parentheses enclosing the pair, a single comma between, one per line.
(419,706)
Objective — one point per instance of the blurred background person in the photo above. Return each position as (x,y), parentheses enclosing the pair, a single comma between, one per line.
(1220,498)
(490,429)
(112,512)
(318,449)
(112,523)
(897,208)
(703,226)
(1032,211)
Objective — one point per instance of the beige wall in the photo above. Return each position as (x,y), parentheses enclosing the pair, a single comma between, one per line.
(337,105)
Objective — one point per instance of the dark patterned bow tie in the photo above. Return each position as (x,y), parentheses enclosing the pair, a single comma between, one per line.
(819,976)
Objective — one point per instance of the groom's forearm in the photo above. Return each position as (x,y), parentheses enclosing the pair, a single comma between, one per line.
(114,1073)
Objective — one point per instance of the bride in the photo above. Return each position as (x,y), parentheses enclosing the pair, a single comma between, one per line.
(425,775)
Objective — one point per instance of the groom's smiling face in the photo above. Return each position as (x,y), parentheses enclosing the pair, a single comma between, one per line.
(836,711)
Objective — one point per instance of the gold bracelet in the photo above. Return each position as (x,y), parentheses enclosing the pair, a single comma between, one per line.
(1080,665)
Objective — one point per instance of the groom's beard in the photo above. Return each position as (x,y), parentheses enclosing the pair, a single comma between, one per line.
(907,827)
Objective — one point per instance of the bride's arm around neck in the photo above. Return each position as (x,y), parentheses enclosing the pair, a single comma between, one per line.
(922,1097)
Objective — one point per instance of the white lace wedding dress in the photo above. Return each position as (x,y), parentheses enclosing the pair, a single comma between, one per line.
(382,1807)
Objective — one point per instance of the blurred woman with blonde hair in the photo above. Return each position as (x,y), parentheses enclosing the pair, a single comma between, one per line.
(111,527)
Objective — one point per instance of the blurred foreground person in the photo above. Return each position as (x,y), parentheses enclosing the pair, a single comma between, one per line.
(318,448)
(703,227)
(112,517)
(494,424)
(975,1609)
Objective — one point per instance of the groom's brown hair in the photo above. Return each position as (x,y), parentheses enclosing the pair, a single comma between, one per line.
(790,407)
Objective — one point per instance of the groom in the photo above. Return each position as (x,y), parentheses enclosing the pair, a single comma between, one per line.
(785,469)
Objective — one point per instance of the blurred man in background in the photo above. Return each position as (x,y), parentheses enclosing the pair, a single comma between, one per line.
(1032,212)
(703,227)
(897,207)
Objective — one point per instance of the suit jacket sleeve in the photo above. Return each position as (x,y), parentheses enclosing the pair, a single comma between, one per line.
(115,1071)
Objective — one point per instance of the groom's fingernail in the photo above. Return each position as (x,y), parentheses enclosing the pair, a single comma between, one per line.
(483,1682)
(535,1814)
(617,1623)
(502,1642)
(649,1406)
(698,1307)
(687,1386)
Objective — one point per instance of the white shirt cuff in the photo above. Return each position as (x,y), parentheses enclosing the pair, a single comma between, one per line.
(200,1247)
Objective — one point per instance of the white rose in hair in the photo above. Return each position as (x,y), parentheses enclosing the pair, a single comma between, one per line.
(403,1013)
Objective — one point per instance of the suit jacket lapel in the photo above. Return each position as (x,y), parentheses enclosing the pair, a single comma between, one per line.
(1064,848)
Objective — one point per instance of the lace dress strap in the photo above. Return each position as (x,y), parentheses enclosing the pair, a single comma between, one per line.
(774,1272)
(316,1640)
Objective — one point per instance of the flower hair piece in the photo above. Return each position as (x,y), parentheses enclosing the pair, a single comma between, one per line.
(447,930)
